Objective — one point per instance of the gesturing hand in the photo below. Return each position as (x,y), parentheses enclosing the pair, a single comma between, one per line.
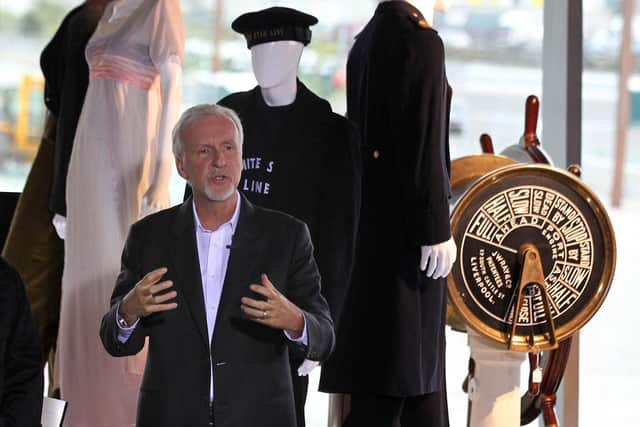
(143,300)
(276,311)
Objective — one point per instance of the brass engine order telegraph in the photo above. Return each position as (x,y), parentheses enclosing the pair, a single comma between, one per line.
(556,289)
(536,256)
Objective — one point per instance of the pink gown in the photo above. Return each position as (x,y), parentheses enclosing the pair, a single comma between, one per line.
(112,166)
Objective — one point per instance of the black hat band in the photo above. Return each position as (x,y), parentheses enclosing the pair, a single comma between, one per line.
(279,33)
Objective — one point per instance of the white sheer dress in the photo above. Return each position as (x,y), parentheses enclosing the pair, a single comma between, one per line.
(112,165)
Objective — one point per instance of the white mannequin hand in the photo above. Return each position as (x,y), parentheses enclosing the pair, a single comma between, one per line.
(60,224)
(306,367)
(436,260)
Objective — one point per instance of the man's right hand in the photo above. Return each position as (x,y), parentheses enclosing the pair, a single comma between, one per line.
(143,299)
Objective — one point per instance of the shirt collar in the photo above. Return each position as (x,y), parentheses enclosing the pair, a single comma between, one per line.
(233,222)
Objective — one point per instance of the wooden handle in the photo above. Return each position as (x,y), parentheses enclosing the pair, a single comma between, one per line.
(531,109)
(534,363)
(548,412)
(486,144)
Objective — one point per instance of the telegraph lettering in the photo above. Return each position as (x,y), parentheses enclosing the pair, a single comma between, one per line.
(474,271)
(498,209)
(487,274)
(542,202)
(573,254)
(508,283)
(574,230)
(538,197)
(520,200)
(537,309)
(551,234)
(564,211)
(561,296)
(483,227)
(524,316)
(585,253)
(554,275)
(574,276)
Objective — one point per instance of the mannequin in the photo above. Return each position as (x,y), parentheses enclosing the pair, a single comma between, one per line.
(170,72)
(435,260)
(32,245)
(118,172)
(389,353)
(299,156)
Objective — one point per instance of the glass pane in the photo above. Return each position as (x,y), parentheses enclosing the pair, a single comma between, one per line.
(609,374)
(494,60)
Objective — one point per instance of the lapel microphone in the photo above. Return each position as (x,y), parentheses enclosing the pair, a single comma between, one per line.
(234,243)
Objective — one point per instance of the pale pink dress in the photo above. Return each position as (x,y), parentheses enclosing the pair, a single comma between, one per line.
(112,165)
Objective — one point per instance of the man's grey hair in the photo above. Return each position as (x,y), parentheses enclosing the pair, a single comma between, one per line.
(191,115)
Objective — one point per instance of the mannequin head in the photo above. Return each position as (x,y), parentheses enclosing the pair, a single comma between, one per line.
(275,63)
(276,37)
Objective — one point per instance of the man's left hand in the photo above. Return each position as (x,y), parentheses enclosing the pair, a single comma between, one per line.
(276,311)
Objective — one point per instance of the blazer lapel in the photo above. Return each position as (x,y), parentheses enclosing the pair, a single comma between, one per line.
(245,247)
(188,267)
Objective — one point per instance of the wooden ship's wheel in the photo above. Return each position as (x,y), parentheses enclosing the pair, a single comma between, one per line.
(536,256)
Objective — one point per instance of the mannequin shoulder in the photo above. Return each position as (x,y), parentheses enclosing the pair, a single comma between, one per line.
(429,41)
(343,125)
(418,21)
(239,100)
(276,222)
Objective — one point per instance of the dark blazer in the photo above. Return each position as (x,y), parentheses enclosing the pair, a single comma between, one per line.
(21,367)
(391,337)
(252,382)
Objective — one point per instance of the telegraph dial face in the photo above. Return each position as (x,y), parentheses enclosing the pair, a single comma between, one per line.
(562,218)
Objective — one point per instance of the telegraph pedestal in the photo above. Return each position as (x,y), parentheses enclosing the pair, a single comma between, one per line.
(494,389)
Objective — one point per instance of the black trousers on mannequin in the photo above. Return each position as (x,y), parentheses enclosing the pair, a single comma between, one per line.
(428,410)
(300,388)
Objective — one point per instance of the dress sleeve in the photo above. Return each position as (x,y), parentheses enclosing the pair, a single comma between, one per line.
(167,37)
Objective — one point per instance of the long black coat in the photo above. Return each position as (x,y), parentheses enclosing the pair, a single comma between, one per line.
(310,159)
(21,368)
(252,382)
(391,340)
